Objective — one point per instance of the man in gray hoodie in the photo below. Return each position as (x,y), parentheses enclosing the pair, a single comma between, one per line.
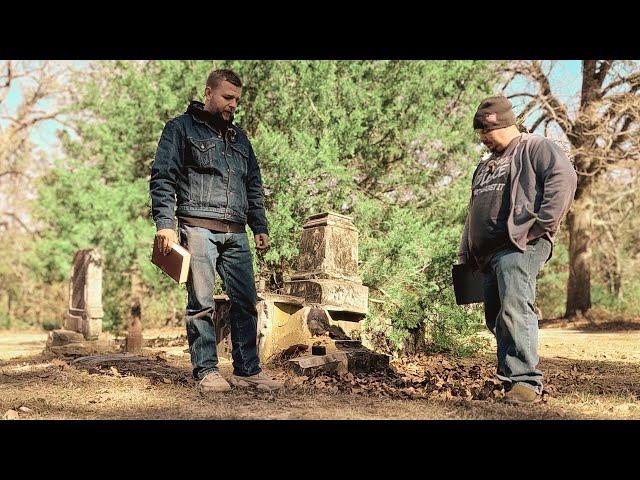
(520,194)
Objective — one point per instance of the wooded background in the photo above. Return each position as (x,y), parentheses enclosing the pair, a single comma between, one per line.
(389,143)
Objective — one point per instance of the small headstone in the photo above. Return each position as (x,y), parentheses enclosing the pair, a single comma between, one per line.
(85,294)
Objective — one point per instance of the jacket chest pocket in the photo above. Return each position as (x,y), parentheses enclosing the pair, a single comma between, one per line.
(239,159)
(203,153)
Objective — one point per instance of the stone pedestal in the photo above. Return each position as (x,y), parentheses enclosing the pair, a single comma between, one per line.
(336,295)
(328,249)
(328,265)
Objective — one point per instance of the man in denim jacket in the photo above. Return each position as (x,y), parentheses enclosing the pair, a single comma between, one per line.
(206,174)
(519,196)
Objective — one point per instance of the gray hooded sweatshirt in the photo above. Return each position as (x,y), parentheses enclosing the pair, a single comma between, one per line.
(543,183)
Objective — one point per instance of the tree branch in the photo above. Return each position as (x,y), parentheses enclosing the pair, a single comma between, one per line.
(556,110)
(541,119)
(603,69)
(22,224)
(632,80)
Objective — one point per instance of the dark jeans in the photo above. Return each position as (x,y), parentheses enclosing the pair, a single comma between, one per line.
(509,299)
(229,255)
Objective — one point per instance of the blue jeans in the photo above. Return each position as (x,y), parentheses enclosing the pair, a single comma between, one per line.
(229,255)
(509,299)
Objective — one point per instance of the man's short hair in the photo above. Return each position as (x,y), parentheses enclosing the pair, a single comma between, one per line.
(217,76)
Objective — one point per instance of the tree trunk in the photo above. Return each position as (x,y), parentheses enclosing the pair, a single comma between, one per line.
(617,278)
(580,234)
(416,341)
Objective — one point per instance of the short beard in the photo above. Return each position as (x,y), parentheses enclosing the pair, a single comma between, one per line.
(220,123)
(491,149)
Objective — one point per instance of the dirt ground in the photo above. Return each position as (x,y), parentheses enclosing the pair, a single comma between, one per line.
(591,372)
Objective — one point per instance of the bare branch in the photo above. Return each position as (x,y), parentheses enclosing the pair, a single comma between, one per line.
(556,110)
(521,94)
(20,222)
(632,80)
(542,118)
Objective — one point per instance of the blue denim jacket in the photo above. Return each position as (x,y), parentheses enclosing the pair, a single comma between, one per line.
(209,176)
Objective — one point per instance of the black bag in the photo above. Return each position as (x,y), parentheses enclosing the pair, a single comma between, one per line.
(467,284)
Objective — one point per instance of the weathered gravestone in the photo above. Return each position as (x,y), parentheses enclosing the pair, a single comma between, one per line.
(322,305)
(82,330)
(328,266)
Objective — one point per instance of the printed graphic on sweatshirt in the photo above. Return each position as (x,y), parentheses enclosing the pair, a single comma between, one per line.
(492,175)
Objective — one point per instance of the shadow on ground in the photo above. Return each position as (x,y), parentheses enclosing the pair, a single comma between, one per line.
(163,389)
(594,377)
(592,326)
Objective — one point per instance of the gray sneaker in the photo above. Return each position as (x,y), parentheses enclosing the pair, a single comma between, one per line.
(213,382)
(261,381)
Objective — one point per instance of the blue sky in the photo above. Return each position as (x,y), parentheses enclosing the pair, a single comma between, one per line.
(566,81)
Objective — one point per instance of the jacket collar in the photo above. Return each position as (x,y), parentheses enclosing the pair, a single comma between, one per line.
(199,114)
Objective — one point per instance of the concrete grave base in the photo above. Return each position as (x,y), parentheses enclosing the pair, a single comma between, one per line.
(67,342)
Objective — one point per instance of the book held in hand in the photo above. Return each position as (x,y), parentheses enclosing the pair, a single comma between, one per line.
(175,263)
(467,284)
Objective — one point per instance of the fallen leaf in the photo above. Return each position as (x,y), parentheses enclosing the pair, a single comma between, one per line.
(446,365)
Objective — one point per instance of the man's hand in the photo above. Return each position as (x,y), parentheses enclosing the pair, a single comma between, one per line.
(166,238)
(262,241)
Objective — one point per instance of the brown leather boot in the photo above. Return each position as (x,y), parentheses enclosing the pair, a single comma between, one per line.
(213,382)
(520,394)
